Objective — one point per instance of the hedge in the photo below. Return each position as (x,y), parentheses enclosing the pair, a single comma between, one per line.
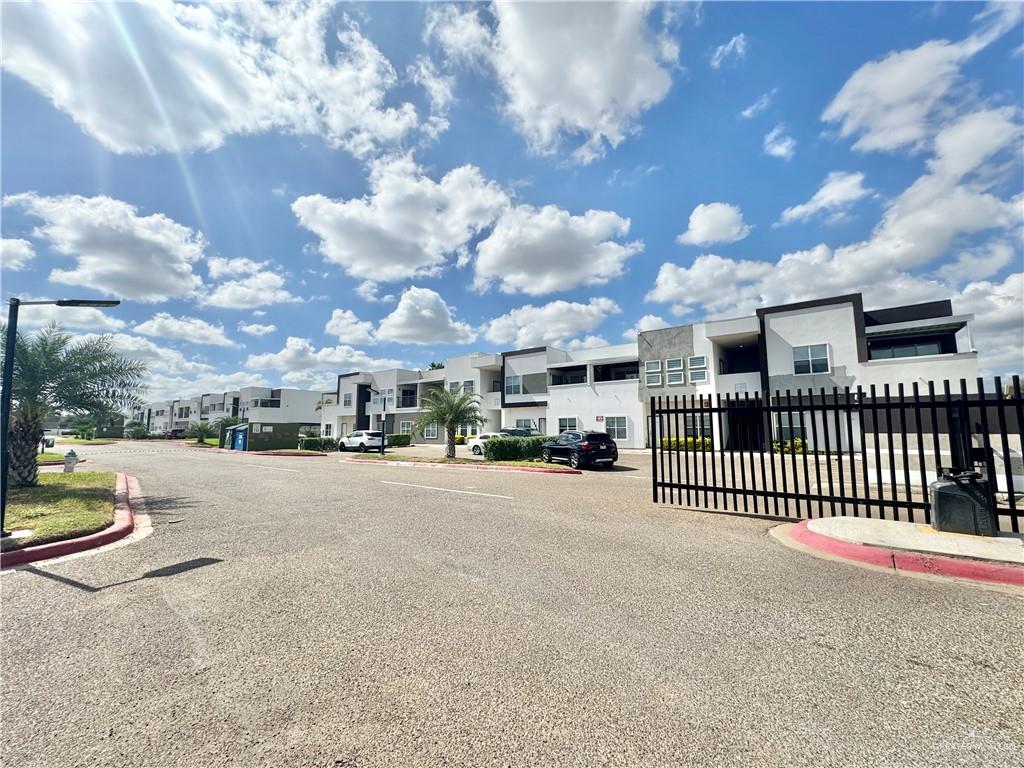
(514,448)
(460,439)
(317,444)
(399,441)
(796,446)
(690,444)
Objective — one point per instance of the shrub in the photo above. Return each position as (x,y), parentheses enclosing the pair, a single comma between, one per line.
(317,444)
(460,439)
(799,445)
(514,448)
(689,444)
(399,441)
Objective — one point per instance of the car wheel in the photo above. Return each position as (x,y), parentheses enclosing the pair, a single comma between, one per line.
(545,456)
(341,446)
(362,447)
(476,450)
(574,460)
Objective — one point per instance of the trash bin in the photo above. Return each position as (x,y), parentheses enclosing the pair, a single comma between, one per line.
(962,502)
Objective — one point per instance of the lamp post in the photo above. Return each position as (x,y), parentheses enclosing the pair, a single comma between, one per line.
(383,416)
(8,381)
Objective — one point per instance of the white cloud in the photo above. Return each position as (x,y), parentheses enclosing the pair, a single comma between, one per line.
(15,253)
(760,105)
(179,77)
(369,292)
(117,251)
(976,264)
(348,328)
(834,197)
(219,267)
(645,323)
(540,250)
(566,69)
(90,318)
(256,329)
(440,88)
(711,280)
(736,48)
(168,386)
(901,100)
(408,225)
(190,329)
(587,342)
(157,358)
(778,144)
(422,317)
(998,326)
(714,223)
(300,355)
(557,323)
(259,289)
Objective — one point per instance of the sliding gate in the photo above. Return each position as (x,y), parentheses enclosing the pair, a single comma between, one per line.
(822,453)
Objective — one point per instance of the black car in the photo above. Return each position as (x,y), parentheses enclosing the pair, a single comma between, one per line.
(581,449)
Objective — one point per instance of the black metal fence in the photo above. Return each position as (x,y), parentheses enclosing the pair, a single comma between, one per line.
(823,453)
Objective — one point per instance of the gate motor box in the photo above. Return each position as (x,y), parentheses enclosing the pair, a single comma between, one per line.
(962,502)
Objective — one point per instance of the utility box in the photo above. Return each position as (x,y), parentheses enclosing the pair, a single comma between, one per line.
(962,502)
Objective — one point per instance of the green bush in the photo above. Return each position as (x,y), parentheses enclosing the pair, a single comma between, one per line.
(514,448)
(460,439)
(399,441)
(799,445)
(689,444)
(317,444)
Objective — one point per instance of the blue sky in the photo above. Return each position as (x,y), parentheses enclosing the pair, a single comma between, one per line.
(279,194)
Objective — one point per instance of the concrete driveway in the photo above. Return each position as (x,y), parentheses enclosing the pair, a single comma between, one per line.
(309,612)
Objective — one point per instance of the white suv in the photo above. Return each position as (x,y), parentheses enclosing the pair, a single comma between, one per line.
(476,445)
(361,440)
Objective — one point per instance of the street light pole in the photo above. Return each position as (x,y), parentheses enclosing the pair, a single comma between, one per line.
(8,386)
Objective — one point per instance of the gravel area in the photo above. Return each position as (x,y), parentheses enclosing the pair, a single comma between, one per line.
(304,612)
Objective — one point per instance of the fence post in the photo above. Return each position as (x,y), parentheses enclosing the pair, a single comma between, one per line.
(653,433)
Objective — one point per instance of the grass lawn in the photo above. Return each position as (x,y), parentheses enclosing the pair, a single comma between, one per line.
(78,441)
(61,507)
(456,460)
(49,456)
(213,442)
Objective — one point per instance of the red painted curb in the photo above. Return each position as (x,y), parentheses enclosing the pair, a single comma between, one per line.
(56,463)
(916,562)
(540,470)
(124,523)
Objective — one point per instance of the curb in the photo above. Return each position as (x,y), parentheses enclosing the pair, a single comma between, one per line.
(484,468)
(904,560)
(124,523)
(57,463)
(280,453)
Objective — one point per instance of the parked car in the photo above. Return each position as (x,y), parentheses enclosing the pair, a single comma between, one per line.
(518,432)
(361,440)
(581,449)
(476,445)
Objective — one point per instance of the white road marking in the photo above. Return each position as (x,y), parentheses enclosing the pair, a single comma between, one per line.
(448,490)
(267,466)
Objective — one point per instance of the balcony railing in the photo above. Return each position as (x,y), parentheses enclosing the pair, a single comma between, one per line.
(407,402)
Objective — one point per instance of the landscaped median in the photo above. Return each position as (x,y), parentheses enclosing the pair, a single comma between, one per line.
(66,513)
(461,463)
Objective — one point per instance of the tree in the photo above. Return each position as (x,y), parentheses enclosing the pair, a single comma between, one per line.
(53,372)
(85,427)
(135,430)
(449,410)
(435,366)
(201,430)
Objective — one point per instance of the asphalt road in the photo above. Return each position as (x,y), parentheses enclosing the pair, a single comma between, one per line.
(315,613)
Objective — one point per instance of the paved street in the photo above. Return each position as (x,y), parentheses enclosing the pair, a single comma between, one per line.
(326,614)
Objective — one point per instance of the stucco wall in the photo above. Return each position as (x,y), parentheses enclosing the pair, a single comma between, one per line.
(588,401)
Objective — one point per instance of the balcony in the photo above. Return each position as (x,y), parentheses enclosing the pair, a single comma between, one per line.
(407,402)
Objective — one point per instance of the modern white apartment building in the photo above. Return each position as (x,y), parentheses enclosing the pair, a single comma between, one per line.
(252,404)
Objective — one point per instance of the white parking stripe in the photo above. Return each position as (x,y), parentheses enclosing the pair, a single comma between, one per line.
(448,490)
(266,466)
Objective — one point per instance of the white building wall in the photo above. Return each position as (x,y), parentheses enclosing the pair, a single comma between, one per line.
(592,403)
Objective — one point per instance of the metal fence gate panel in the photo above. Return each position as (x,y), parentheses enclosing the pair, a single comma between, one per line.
(818,453)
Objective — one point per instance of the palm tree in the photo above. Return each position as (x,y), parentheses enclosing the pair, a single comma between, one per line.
(53,372)
(135,430)
(449,410)
(201,430)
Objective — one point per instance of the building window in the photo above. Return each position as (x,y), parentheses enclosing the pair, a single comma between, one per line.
(453,386)
(567,424)
(615,426)
(811,358)
(405,427)
(468,387)
(327,430)
(652,366)
(652,379)
(430,431)
(346,400)
(787,426)
(697,427)
(904,349)
(513,385)
(698,377)
(698,361)
(674,364)
(524,423)
(675,378)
